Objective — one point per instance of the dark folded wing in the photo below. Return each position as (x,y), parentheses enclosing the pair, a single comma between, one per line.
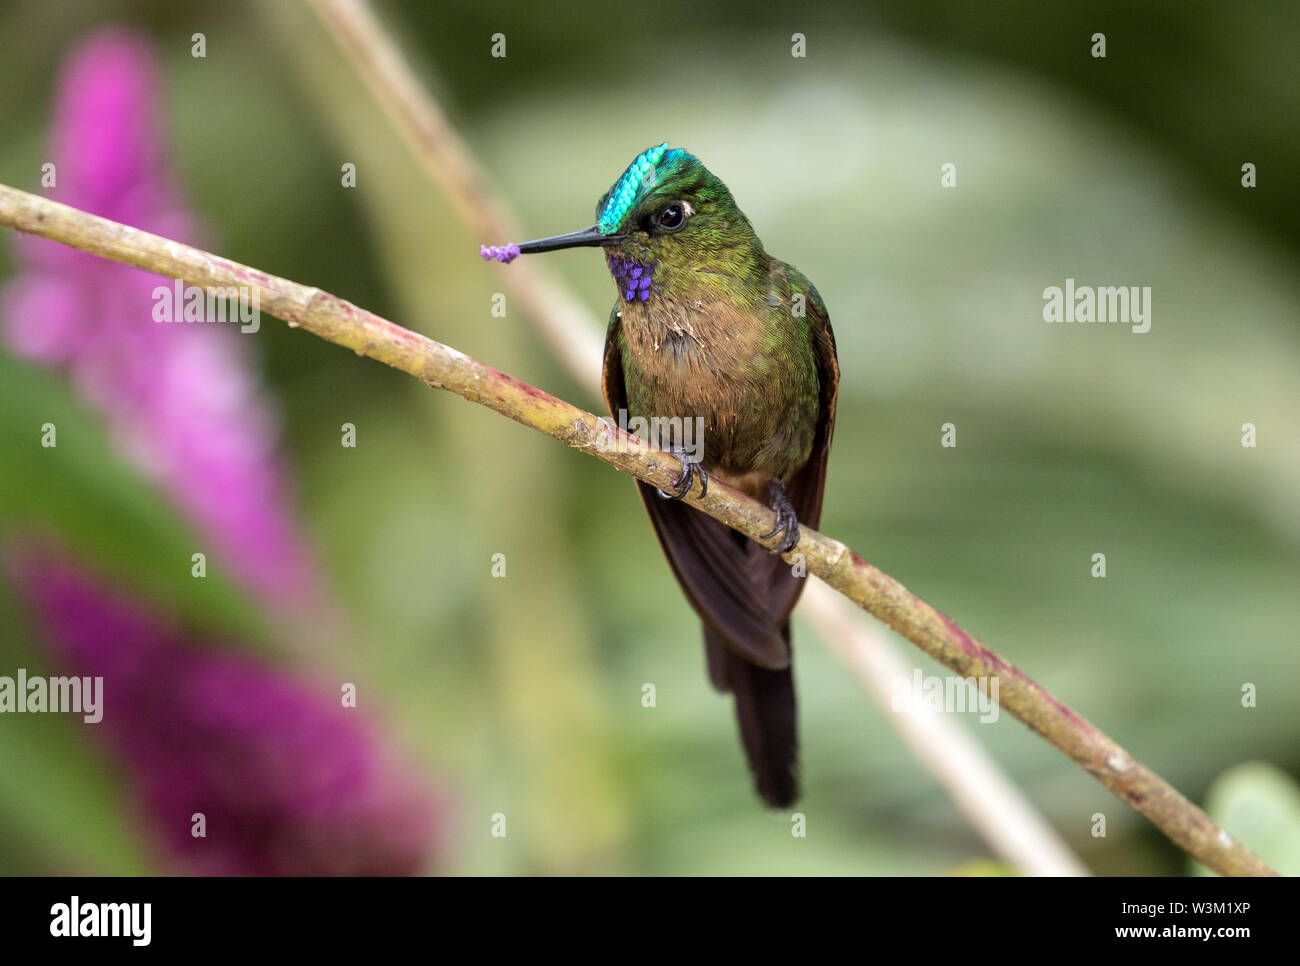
(806,487)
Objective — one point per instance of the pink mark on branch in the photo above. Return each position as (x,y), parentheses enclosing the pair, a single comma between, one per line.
(499,253)
(973,647)
(181,399)
(289,782)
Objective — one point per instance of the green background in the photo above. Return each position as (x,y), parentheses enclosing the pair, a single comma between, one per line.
(522,695)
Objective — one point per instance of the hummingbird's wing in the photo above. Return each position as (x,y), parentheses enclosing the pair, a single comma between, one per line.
(765,700)
(806,487)
(711,561)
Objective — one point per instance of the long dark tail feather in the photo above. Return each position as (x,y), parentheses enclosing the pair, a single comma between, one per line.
(766,714)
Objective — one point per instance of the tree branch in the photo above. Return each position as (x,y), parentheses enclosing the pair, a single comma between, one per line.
(441,367)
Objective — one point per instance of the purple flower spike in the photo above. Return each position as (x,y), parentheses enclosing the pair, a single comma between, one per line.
(290,784)
(644,282)
(500,253)
(182,402)
(645,294)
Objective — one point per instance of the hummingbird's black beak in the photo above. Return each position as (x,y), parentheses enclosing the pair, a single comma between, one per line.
(591,237)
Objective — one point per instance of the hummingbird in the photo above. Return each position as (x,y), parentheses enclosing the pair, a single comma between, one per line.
(708,327)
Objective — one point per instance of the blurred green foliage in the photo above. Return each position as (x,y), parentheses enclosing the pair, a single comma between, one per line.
(522,695)
(1261,804)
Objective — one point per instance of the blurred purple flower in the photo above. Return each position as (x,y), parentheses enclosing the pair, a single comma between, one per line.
(178,398)
(289,781)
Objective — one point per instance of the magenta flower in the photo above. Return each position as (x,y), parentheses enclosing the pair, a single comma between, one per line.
(289,782)
(178,398)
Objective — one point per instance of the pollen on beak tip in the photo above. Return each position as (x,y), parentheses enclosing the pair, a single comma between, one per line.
(499,253)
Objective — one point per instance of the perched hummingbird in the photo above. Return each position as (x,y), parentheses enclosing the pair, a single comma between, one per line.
(708,324)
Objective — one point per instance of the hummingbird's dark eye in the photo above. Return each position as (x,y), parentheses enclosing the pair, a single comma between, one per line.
(670,217)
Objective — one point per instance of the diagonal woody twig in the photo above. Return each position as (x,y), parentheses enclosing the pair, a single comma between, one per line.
(442,367)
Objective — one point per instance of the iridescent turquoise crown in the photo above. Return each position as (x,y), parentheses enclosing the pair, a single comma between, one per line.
(639,177)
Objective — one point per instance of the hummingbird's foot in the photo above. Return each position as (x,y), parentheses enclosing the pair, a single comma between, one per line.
(691,470)
(786,520)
